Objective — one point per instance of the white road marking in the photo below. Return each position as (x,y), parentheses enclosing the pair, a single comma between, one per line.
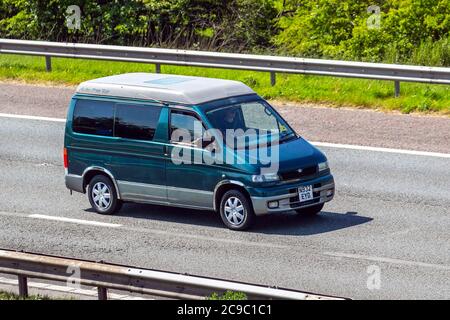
(378,149)
(19,116)
(388,260)
(318,144)
(148,230)
(77,221)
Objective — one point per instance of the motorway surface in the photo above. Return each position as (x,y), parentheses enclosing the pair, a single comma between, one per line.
(391,211)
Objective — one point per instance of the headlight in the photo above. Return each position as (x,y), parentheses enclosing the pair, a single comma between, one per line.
(323,166)
(269,177)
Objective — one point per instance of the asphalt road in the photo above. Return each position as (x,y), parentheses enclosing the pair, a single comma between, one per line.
(391,211)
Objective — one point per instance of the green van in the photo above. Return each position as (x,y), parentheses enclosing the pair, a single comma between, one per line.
(189,142)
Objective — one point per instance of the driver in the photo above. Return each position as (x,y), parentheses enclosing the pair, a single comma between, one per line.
(231,120)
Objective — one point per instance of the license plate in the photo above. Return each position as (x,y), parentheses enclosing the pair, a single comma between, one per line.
(305,193)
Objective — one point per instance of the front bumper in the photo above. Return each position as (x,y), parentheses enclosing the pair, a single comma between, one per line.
(323,191)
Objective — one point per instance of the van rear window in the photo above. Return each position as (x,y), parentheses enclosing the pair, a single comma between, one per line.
(93,117)
(136,122)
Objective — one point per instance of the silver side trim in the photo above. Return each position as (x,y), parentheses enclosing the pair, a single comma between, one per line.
(190,190)
(165,195)
(166,203)
(142,191)
(190,197)
(159,186)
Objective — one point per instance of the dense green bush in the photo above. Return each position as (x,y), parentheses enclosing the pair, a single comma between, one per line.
(228,295)
(410,31)
(317,28)
(208,24)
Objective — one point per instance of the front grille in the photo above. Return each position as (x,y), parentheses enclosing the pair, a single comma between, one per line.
(306,173)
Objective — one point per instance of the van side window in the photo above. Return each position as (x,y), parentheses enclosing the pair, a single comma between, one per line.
(187,122)
(93,117)
(136,121)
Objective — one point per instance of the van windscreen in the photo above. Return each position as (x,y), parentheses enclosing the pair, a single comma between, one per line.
(251,119)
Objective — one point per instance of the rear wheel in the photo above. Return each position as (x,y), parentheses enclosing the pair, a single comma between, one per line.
(103,196)
(236,211)
(311,211)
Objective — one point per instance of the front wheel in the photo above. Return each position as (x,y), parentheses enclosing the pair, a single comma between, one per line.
(311,211)
(103,196)
(236,211)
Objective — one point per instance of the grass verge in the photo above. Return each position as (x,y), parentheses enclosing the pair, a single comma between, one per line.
(338,92)
(228,295)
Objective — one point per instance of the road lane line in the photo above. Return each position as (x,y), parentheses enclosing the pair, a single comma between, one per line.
(19,116)
(318,144)
(388,260)
(77,221)
(152,231)
(378,149)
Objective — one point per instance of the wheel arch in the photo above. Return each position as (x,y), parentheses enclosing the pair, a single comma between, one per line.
(91,172)
(225,186)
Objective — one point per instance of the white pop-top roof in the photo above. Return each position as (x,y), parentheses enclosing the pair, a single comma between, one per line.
(164,87)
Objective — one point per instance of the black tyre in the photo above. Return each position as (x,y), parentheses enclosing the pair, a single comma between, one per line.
(311,211)
(103,196)
(236,210)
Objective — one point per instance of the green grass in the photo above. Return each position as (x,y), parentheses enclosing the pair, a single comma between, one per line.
(330,91)
(12,296)
(228,295)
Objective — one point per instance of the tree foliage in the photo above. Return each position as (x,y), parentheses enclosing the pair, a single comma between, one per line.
(414,31)
(207,24)
(340,29)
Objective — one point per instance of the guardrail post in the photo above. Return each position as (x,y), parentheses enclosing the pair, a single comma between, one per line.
(157,68)
(102,293)
(273,78)
(23,286)
(48,63)
(397,89)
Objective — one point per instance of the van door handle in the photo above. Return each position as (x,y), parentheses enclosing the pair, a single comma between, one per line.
(166,151)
